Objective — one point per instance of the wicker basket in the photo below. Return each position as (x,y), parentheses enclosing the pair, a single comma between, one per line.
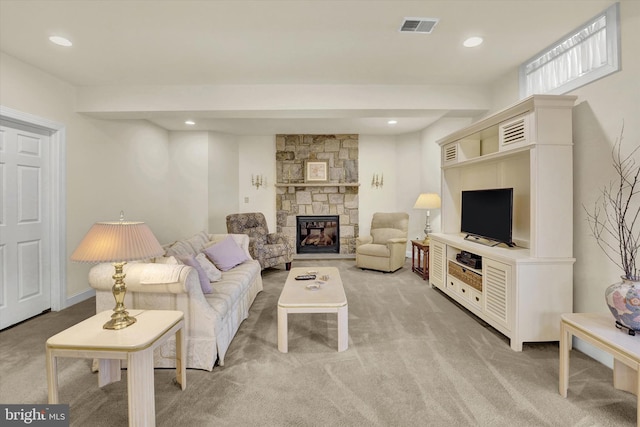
(466,275)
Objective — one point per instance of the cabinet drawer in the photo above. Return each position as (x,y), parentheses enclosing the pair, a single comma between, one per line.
(475,297)
(453,284)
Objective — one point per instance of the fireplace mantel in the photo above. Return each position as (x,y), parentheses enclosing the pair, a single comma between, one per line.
(315,184)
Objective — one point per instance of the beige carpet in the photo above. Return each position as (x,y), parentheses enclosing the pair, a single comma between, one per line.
(414,359)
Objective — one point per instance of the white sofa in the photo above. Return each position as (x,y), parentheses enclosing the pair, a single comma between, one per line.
(211,320)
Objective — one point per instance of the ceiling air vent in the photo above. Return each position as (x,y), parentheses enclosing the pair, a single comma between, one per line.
(418,25)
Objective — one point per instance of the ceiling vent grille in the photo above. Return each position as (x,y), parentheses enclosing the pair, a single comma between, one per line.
(418,25)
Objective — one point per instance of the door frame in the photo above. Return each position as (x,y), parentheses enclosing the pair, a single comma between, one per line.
(57,218)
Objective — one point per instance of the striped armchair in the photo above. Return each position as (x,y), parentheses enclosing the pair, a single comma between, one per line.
(269,249)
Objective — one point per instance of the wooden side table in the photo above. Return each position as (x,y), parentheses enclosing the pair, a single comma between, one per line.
(135,344)
(420,258)
(599,330)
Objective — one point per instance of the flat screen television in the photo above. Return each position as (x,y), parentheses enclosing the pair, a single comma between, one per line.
(488,214)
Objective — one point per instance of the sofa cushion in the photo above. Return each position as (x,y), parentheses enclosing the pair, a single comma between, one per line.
(166,260)
(213,274)
(180,247)
(191,261)
(226,254)
(382,235)
(234,284)
(373,249)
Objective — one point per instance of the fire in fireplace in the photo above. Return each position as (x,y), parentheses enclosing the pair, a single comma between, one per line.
(317,234)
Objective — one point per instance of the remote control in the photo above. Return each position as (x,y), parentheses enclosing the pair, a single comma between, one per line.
(306,277)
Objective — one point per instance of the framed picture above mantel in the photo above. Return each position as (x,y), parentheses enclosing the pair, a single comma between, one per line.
(316,171)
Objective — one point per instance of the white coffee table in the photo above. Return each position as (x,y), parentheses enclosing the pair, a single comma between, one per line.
(297,298)
(135,344)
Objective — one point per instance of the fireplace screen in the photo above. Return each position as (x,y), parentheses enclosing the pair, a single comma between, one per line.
(317,234)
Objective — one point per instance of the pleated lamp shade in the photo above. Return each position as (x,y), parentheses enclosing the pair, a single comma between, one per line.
(427,201)
(117,241)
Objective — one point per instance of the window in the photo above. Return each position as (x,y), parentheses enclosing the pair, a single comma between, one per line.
(587,53)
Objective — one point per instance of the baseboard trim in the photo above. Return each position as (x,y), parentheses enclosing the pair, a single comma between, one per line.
(82,296)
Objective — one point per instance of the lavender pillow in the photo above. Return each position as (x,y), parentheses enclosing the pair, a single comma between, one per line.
(226,254)
(191,261)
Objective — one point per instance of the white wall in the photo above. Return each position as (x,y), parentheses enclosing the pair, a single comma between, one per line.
(223,180)
(187,184)
(376,155)
(598,114)
(111,166)
(257,156)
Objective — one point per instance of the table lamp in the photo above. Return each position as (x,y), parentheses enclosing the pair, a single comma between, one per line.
(118,242)
(427,201)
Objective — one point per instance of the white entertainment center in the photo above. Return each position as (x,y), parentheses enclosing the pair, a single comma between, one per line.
(523,290)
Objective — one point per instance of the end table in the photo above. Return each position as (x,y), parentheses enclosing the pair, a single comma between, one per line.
(420,258)
(134,344)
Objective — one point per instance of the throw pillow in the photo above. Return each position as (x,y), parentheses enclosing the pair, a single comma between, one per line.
(209,268)
(191,261)
(198,241)
(226,254)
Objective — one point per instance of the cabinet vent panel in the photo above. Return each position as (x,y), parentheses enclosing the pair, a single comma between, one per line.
(451,153)
(438,257)
(514,132)
(496,292)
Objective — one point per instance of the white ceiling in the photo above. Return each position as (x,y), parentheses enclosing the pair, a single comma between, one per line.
(320,42)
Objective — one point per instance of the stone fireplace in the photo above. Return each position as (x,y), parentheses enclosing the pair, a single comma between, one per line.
(337,197)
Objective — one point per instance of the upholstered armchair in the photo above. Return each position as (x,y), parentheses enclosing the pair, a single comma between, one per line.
(385,249)
(269,249)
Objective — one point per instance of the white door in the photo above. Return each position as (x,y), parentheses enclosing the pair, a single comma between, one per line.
(25,288)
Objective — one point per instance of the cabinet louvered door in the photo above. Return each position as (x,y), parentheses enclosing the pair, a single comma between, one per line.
(450,154)
(437,267)
(515,133)
(497,291)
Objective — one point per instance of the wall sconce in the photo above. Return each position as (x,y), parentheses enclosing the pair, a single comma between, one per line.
(377,181)
(258,181)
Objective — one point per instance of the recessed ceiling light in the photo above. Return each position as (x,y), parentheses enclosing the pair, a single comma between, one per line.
(189,122)
(392,122)
(60,41)
(473,42)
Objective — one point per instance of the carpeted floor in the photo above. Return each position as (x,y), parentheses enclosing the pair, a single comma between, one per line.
(414,359)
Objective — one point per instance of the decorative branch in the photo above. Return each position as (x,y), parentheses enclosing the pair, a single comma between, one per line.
(615,218)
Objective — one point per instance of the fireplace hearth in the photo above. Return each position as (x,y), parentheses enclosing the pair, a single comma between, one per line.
(317,234)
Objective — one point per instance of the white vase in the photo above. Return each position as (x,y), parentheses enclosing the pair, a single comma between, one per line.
(623,299)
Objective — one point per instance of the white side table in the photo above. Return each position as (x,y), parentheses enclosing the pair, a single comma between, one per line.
(599,330)
(134,344)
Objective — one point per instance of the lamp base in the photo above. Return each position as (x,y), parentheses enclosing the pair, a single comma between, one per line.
(119,321)
(120,318)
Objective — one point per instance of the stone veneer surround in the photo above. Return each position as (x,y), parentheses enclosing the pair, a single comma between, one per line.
(342,153)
